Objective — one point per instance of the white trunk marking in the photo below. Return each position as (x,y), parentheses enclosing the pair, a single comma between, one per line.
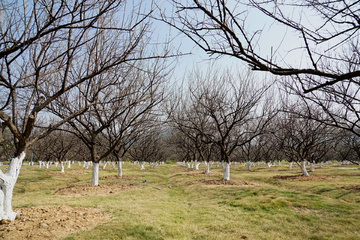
(62,167)
(227,172)
(119,168)
(95,174)
(7,183)
(303,168)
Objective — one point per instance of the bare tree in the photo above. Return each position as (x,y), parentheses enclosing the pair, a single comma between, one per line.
(50,48)
(328,30)
(224,111)
(149,148)
(302,140)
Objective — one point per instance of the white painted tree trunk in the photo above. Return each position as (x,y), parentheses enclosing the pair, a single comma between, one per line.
(339,163)
(290,165)
(79,163)
(192,164)
(7,183)
(249,165)
(142,164)
(62,167)
(95,174)
(269,164)
(279,163)
(113,164)
(47,165)
(303,168)
(207,167)
(197,165)
(312,167)
(56,163)
(69,164)
(321,164)
(104,165)
(227,172)
(119,168)
(188,165)
(40,163)
(86,164)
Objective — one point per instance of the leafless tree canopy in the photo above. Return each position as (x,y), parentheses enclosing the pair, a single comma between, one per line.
(329,31)
(50,48)
(221,110)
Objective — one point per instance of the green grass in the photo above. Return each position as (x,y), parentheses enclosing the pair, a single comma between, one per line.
(267,209)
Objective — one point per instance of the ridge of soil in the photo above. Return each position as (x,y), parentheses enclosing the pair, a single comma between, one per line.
(89,190)
(115,177)
(223,182)
(51,222)
(304,178)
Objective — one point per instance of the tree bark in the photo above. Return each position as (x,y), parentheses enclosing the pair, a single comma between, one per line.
(227,172)
(312,167)
(303,168)
(95,174)
(7,183)
(249,166)
(119,169)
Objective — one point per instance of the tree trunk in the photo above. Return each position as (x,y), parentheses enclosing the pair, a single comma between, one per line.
(249,166)
(62,166)
(192,164)
(104,165)
(113,164)
(290,165)
(69,164)
(142,164)
(47,165)
(207,167)
(303,168)
(269,164)
(119,169)
(312,167)
(95,174)
(40,164)
(227,172)
(7,183)
(223,168)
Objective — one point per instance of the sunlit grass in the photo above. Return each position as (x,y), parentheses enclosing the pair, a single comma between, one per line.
(174,205)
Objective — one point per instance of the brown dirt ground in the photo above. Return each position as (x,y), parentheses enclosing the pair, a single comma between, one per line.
(115,177)
(51,222)
(355,188)
(55,222)
(222,182)
(304,178)
(202,174)
(88,190)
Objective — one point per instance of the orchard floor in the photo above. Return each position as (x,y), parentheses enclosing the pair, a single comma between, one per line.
(180,203)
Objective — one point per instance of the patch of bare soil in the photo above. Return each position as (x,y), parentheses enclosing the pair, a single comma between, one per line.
(202,174)
(355,188)
(76,172)
(223,182)
(51,222)
(89,190)
(306,210)
(117,177)
(304,178)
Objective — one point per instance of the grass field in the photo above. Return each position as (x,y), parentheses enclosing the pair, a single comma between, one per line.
(174,204)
